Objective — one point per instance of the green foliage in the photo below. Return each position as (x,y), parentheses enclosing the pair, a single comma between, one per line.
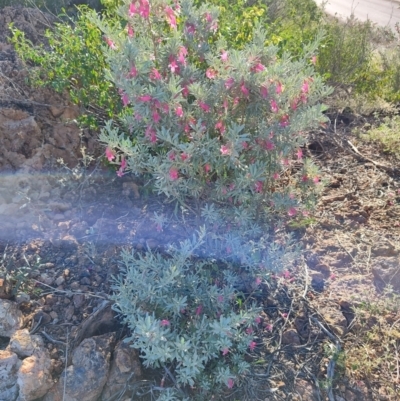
(292,24)
(208,128)
(72,62)
(346,53)
(387,134)
(190,317)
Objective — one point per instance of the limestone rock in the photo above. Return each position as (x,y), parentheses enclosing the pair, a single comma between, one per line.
(85,378)
(34,375)
(23,344)
(9,365)
(125,367)
(10,318)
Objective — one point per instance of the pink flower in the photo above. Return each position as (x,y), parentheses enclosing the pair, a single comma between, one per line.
(224,56)
(299,154)
(199,310)
(257,320)
(144,98)
(151,134)
(225,351)
(131,32)
(144,8)
(230,383)
(171,156)
(155,75)
(229,83)
(304,178)
(292,211)
(264,92)
(208,17)
(211,73)
(245,145)
(284,121)
(252,345)
(179,111)
(156,117)
(258,68)
(207,168)
(244,90)
(133,72)
(165,322)
(173,65)
(125,99)
(184,156)
(269,145)
(220,127)
(110,154)
(274,106)
(259,186)
(123,164)
(258,281)
(315,180)
(220,298)
(304,87)
(173,174)
(120,172)
(190,28)
(279,88)
(268,327)
(182,54)
(275,176)
(110,43)
(225,150)
(313,60)
(249,330)
(185,91)
(205,107)
(170,17)
(133,10)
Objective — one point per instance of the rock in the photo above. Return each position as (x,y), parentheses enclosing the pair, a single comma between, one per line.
(78,300)
(22,298)
(318,282)
(85,378)
(306,391)
(290,337)
(125,367)
(384,249)
(23,344)
(34,375)
(10,318)
(386,271)
(335,319)
(60,280)
(9,365)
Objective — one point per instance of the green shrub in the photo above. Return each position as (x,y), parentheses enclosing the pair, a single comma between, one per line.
(73,62)
(346,52)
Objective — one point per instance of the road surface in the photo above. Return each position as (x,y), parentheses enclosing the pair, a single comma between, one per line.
(385,13)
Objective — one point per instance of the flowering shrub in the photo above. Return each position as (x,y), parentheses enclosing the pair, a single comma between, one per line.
(189,317)
(209,123)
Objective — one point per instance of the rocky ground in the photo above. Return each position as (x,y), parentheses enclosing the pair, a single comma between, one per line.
(331,330)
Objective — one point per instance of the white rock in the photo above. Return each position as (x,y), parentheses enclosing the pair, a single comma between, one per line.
(23,344)
(10,318)
(9,365)
(34,376)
